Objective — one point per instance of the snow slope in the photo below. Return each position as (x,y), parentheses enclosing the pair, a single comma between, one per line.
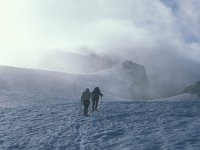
(113,81)
(171,123)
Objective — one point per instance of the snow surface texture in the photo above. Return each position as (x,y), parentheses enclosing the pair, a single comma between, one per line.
(48,123)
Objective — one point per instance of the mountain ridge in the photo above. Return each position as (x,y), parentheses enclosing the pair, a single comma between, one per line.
(115,81)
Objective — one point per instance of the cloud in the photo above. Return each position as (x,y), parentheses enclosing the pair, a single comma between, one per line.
(126,28)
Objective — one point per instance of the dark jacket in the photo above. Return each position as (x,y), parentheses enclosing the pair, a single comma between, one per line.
(96,93)
(86,96)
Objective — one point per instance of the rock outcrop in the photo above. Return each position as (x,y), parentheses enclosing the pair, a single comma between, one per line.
(193,89)
(139,83)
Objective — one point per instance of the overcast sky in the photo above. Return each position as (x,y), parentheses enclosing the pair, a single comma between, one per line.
(31,30)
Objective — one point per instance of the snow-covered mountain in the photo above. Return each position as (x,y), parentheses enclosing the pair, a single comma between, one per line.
(41,110)
(127,80)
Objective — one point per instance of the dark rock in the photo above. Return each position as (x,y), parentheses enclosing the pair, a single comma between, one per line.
(193,89)
(139,86)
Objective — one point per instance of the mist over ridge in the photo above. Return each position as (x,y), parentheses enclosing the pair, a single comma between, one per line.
(90,36)
(126,80)
(168,72)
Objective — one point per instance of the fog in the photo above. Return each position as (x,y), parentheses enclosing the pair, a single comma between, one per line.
(88,36)
(33,30)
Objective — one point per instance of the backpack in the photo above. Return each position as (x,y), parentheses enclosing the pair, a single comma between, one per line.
(86,96)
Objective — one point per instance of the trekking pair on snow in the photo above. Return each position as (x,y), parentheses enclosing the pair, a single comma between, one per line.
(87,95)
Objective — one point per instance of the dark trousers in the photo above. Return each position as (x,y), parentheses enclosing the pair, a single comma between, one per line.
(86,105)
(95,104)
